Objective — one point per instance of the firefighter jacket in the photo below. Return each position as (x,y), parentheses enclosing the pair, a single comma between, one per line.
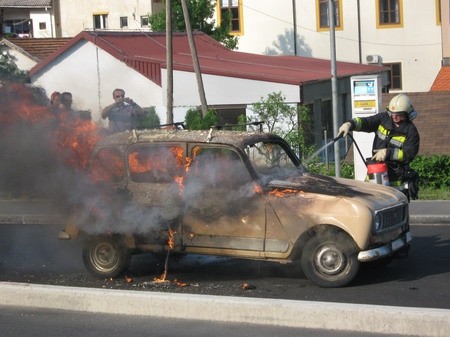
(402,142)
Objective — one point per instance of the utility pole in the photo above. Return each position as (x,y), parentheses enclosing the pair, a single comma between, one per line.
(198,73)
(169,61)
(334,98)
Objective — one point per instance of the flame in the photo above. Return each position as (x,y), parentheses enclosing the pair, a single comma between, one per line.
(257,188)
(283,192)
(107,167)
(171,239)
(171,245)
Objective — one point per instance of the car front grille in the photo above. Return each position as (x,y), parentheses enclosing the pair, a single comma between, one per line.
(390,218)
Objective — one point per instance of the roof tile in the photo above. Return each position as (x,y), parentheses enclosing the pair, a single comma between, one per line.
(442,81)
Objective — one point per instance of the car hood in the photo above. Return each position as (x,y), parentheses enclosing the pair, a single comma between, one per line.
(373,195)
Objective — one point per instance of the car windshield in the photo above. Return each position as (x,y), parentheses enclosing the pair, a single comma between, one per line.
(273,161)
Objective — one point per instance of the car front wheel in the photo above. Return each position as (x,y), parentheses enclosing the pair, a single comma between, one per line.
(106,257)
(330,260)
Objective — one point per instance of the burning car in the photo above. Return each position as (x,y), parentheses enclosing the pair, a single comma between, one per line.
(229,193)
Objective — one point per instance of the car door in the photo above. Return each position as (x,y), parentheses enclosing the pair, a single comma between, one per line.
(224,213)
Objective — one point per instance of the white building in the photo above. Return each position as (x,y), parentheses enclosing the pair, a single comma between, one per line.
(407,36)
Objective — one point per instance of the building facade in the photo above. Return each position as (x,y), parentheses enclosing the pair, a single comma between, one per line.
(407,36)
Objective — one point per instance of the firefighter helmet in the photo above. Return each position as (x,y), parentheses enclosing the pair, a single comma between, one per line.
(400,104)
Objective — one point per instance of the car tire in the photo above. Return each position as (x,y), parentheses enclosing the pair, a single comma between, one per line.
(330,260)
(106,257)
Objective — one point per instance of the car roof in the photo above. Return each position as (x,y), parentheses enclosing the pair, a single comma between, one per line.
(235,138)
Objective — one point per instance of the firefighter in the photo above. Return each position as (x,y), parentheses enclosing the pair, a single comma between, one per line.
(396,141)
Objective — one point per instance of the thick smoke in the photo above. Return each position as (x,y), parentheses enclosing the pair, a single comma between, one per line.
(32,160)
(45,154)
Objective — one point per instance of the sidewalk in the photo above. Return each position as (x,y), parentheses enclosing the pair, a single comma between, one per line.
(44,212)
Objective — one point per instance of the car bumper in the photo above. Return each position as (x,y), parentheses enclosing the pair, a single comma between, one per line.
(386,250)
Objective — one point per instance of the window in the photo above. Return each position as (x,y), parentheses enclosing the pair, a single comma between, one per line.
(123,22)
(100,21)
(231,11)
(218,167)
(42,25)
(107,166)
(323,18)
(20,27)
(389,13)
(144,21)
(395,75)
(156,164)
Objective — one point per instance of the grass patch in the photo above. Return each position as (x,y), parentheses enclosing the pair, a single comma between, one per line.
(429,193)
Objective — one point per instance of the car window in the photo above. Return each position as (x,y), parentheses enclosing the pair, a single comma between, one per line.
(265,156)
(107,166)
(155,163)
(218,167)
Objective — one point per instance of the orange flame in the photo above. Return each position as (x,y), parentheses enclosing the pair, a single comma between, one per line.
(283,192)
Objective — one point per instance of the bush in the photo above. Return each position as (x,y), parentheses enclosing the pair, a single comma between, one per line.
(434,171)
(150,120)
(195,121)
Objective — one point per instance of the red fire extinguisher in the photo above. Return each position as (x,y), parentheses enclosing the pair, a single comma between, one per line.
(377,173)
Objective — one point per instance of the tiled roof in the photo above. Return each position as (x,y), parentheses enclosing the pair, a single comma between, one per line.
(146,53)
(39,48)
(442,81)
(26,3)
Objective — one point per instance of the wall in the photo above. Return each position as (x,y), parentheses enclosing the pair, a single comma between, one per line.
(269,29)
(432,122)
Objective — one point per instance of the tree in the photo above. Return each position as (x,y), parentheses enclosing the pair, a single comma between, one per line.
(201,13)
(194,119)
(9,70)
(290,122)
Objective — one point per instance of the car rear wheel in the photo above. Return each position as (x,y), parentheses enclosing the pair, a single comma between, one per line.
(106,257)
(330,260)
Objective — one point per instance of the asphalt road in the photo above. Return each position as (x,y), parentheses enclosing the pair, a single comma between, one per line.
(32,254)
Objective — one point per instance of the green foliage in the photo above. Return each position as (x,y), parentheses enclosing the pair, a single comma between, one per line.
(195,121)
(288,121)
(10,72)
(434,171)
(347,169)
(434,174)
(201,13)
(150,120)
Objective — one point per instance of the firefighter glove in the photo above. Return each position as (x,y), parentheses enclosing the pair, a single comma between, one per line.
(380,155)
(344,130)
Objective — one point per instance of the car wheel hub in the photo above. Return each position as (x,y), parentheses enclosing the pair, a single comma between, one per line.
(329,261)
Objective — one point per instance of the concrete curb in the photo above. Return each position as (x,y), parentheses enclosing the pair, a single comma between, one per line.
(429,219)
(315,315)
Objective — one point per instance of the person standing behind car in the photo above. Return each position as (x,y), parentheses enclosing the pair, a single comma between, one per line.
(123,114)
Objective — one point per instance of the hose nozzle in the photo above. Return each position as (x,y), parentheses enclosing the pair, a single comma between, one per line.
(335,139)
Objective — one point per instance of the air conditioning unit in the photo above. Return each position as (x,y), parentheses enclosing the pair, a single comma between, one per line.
(372,58)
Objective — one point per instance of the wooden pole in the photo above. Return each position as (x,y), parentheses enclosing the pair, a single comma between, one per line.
(201,89)
(169,66)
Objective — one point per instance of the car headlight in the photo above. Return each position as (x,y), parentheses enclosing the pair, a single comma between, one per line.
(377,222)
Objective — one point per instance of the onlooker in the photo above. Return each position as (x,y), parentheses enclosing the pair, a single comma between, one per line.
(66,105)
(55,99)
(66,100)
(123,114)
